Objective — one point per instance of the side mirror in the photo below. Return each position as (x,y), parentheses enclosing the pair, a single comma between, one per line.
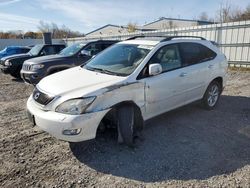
(42,53)
(155,69)
(85,53)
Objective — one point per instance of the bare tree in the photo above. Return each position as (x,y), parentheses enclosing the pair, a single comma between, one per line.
(228,13)
(58,32)
(131,27)
(203,16)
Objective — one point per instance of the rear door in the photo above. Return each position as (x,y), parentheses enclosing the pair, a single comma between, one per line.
(198,62)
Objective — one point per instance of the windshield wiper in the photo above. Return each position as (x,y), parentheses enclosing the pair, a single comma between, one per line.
(103,71)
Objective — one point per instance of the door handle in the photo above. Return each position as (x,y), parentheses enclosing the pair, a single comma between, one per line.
(210,66)
(183,74)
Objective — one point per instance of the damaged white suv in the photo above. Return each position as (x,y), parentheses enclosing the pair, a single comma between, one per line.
(126,84)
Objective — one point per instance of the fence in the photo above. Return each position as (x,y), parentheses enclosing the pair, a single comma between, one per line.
(233,38)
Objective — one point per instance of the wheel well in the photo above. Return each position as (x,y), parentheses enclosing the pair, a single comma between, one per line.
(52,71)
(111,116)
(219,80)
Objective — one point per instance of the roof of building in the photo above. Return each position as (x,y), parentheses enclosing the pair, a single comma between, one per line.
(177,19)
(106,26)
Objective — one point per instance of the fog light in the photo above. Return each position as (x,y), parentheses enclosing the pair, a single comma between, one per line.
(72,131)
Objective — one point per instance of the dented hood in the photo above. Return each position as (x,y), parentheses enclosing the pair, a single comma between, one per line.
(77,82)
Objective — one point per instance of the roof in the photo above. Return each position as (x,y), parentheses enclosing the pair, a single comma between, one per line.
(14,47)
(104,27)
(177,19)
(141,42)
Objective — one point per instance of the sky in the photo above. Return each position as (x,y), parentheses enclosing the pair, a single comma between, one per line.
(87,15)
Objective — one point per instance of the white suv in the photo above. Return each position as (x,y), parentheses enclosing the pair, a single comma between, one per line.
(126,84)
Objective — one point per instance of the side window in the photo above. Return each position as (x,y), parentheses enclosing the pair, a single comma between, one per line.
(106,45)
(12,51)
(94,48)
(25,50)
(168,57)
(48,50)
(59,48)
(194,53)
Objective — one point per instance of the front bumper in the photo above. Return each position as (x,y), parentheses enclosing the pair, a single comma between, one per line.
(56,123)
(31,77)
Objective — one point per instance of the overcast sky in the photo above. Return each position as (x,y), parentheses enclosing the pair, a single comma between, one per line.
(87,15)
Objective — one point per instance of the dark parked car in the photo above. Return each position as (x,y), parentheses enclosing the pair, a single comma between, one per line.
(11,50)
(34,70)
(13,64)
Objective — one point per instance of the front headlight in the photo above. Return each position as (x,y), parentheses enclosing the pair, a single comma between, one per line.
(75,106)
(8,63)
(36,66)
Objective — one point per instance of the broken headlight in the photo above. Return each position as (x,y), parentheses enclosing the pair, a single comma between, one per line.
(75,106)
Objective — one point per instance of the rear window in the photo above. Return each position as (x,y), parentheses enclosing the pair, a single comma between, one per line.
(193,53)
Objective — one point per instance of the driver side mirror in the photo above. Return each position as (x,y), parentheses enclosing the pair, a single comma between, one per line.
(155,69)
(86,53)
(42,53)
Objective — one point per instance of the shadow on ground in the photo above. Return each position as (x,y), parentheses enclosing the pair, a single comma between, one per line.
(187,143)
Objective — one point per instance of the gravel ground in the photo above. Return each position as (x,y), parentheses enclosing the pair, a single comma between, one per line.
(188,147)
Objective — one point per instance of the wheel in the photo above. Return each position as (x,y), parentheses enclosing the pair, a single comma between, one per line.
(126,124)
(212,95)
(16,74)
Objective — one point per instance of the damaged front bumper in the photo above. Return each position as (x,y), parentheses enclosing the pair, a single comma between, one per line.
(71,128)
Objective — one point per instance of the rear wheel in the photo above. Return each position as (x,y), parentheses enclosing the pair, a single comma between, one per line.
(212,95)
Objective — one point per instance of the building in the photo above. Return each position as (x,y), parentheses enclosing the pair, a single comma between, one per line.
(108,30)
(169,23)
(162,23)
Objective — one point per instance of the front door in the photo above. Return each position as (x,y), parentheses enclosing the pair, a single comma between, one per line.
(163,92)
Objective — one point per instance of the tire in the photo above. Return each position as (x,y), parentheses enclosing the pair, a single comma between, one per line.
(126,124)
(16,73)
(212,95)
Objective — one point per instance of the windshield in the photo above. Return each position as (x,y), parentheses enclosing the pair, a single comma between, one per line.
(4,50)
(73,49)
(120,59)
(36,49)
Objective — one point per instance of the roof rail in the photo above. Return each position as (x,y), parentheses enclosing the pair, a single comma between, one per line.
(173,37)
(139,36)
(166,38)
(144,36)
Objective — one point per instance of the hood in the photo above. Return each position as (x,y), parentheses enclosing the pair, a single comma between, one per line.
(47,58)
(15,56)
(76,82)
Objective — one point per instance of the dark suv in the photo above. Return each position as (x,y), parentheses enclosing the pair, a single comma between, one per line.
(34,70)
(13,64)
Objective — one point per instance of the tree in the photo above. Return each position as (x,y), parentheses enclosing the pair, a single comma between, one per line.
(131,27)
(58,32)
(203,16)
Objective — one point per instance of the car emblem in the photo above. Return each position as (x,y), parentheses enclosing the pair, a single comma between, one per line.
(36,96)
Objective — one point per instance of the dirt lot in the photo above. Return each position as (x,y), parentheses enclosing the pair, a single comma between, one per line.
(186,147)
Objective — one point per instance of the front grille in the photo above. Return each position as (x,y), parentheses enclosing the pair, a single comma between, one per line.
(41,97)
(26,67)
